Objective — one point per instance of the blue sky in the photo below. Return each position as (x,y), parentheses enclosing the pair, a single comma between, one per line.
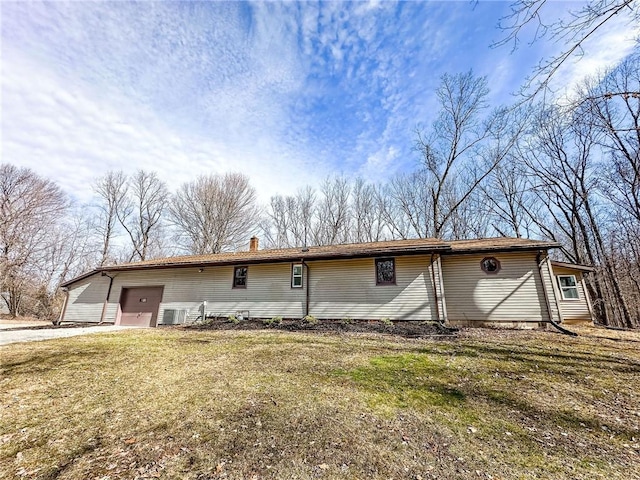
(284,92)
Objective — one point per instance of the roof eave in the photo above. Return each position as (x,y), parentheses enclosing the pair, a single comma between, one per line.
(305,256)
(511,248)
(81,277)
(573,266)
(316,256)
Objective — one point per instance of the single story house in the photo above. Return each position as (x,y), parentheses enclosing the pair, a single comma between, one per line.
(506,281)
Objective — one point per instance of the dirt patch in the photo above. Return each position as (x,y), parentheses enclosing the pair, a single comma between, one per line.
(407,329)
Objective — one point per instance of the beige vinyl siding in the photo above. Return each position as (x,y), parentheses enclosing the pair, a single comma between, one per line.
(86,299)
(339,289)
(514,294)
(347,289)
(577,309)
(268,291)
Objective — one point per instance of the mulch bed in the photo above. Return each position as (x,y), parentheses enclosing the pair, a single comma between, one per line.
(409,329)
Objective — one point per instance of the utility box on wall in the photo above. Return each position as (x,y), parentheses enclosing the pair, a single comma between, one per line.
(174,317)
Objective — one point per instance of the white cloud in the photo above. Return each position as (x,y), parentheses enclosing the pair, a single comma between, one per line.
(380,164)
(614,42)
(72,135)
(98,90)
(285,92)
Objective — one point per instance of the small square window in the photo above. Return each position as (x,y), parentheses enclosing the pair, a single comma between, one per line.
(385,271)
(568,287)
(296,275)
(240,277)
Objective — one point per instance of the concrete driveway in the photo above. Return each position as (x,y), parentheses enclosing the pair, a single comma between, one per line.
(15,336)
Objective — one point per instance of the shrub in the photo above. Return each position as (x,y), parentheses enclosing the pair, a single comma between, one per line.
(272,321)
(310,319)
(347,320)
(233,319)
(386,321)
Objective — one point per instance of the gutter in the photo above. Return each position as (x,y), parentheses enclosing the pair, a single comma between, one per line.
(106,300)
(64,305)
(307,285)
(548,302)
(444,297)
(441,249)
(442,321)
(498,248)
(435,290)
(312,256)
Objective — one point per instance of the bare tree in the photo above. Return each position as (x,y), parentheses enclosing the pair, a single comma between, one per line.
(609,106)
(140,212)
(30,209)
(275,227)
(409,205)
(69,252)
(367,209)
(396,223)
(509,199)
(582,25)
(611,103)
(343,211)
(215,213)
(456,154)
(302,211)
(112,191)
(290,219)
(332,224)
(471,219)
(561,159)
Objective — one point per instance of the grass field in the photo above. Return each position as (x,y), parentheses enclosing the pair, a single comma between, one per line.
(170,403)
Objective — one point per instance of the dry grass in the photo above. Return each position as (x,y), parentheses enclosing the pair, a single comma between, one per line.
(184,404)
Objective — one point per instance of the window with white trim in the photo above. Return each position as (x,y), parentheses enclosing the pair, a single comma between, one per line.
(296,275)
(568,287)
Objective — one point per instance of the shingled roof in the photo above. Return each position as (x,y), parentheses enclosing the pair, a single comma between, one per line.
(499,243)
(331,252)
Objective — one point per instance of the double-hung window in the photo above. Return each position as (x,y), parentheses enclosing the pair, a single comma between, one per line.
(296,275)
(385,271)
(240,277)
(568,287)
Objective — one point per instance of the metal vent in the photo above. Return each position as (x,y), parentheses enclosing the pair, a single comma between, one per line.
(173,317)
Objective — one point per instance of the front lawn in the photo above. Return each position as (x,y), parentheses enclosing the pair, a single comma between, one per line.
(172,403)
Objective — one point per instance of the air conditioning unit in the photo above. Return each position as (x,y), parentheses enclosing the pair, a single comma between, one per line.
(174,317)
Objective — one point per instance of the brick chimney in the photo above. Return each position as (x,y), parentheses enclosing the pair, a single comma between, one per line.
(253,244)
